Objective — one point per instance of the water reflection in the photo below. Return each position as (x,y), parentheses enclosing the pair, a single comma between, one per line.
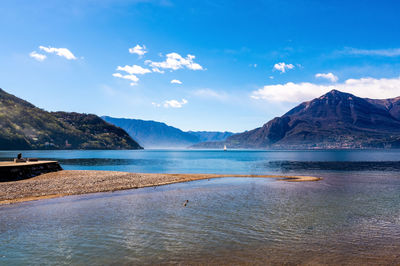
(351,216)
(227,220)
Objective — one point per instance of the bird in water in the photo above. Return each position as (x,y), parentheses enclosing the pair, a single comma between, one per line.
(186,202)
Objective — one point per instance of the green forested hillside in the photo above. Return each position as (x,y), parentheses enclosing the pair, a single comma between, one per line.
(24,126)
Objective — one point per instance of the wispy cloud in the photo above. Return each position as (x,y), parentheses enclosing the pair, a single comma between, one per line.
(139,50)
(328,76)
(297,92)
(37,56)
(282,67)
(63,52)
(211,94)
(175,81)
(157,70)
(132,78)
(109,91)
(175,61)
(374,52)
(242,50)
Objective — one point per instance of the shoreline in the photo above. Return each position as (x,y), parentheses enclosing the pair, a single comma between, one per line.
(78,182)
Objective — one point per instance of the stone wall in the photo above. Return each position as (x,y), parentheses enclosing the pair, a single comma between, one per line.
(20,171)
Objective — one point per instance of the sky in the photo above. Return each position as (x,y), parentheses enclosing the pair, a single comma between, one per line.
(197,65)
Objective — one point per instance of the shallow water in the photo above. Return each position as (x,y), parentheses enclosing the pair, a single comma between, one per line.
(351,216)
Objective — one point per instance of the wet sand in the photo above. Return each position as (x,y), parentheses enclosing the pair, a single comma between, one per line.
(64,183)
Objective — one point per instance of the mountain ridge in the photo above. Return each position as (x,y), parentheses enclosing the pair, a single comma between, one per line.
(24,126)
(334,120)
(153,134)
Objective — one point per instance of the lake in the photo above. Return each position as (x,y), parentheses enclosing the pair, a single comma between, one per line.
(352,216)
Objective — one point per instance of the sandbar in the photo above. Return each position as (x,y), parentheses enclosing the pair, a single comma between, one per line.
(76,182)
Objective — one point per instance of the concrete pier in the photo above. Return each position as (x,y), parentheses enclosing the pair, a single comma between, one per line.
(11,171)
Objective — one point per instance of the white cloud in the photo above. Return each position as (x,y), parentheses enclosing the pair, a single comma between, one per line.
(377,52)
(328,76)
(175,103)
(175,81)
(175,61)
(37,56)
(63,52)
(139,50)
(134,69)
(209,93)
(171,103)
(282,67)
(157,70)
(298,92)
(132,78)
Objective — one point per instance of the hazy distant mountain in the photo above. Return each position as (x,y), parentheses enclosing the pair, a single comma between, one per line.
(334,120)
(211,135)
(152,134)
(24,126)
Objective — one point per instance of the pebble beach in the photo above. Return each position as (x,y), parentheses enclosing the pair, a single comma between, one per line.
(75,182)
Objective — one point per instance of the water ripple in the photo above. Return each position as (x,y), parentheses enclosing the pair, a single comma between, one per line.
(335,166)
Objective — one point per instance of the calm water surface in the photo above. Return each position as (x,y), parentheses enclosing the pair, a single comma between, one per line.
(352,216)
(235,161)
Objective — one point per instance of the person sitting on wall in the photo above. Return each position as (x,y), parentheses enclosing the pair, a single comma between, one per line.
(19,159)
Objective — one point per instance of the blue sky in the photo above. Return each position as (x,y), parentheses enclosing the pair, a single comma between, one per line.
(240,63)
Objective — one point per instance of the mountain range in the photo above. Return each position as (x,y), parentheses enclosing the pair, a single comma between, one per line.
(152,134)
(335,120)
(25,126)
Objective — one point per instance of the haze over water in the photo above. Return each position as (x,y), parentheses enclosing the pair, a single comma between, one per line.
(351,216)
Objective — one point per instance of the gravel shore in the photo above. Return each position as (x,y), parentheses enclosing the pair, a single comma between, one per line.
(63,183)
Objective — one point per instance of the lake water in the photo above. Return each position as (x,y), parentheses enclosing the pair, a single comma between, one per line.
(352,216)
